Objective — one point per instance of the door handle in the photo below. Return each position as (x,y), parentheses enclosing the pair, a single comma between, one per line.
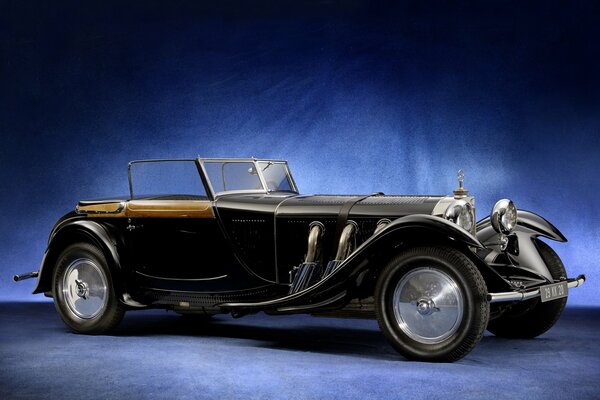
(132,227)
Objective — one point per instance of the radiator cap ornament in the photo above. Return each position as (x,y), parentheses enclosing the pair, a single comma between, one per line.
(461,192)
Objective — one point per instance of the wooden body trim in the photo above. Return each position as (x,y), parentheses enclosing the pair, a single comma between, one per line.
(150,209)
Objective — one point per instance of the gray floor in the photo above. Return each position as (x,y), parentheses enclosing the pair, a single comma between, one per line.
(155,354)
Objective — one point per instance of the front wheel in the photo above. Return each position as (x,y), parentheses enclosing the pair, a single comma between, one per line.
(431,304)
(84,294)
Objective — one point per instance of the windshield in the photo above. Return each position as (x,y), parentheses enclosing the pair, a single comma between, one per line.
(248,175)
(276,176)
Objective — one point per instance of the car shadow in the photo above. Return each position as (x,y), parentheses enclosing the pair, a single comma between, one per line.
(292,333)
(357,338)
(360,338)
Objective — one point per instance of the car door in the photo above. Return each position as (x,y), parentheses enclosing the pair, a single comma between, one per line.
(174,239)
(171,238)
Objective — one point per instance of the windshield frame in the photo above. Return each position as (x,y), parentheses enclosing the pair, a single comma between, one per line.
(255,162)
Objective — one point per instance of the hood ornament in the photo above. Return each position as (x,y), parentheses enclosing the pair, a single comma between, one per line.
(461,192)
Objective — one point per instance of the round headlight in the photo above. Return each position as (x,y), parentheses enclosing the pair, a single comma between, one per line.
(461,213)
(504,216)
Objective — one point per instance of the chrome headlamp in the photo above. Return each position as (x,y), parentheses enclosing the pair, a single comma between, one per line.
(461,213)
(504,216)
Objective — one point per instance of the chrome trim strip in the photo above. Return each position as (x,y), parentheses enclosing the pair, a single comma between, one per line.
(313,305)
(261,177)
(118,210)
(240,191)
(223,292)
(233,159)
(181,279)
(275,233)
(529,294)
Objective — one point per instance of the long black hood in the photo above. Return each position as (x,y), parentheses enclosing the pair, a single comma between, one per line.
(362,206)
(321,205)
(282,222)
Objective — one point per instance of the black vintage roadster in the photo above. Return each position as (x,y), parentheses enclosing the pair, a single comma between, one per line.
(235,236)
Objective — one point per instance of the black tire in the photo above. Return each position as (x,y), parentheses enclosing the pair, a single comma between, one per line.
(89,304)
(460,273)
(531,318)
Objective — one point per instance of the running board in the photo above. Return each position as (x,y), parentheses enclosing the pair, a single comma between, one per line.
(303,308)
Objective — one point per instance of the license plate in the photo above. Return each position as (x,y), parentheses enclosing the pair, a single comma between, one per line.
(554,291)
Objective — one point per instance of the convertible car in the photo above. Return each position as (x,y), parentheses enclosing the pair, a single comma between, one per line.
(236,236)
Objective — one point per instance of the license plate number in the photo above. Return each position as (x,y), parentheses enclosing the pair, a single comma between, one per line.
(554,291)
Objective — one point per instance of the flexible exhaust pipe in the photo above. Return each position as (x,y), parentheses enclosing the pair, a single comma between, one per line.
(316,230)
(302,276)
(382,223)
(345,247)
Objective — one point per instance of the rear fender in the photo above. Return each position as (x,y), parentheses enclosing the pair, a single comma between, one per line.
(73,231)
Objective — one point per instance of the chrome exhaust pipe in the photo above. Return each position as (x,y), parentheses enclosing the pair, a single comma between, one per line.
(303,276)
(316,231)
(529,294)
(382,223)
(346,244)
(345,247)
(28,275)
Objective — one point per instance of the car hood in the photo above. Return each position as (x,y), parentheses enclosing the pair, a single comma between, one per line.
(364,205)
(322,205)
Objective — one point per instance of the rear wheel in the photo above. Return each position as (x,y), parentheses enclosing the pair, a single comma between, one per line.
(84,294)
(531,318)
(431,304)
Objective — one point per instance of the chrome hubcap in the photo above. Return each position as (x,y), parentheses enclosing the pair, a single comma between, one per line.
(85,288)
(82,289)
(428,305)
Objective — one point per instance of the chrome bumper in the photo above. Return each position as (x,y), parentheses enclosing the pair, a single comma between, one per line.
(529,294)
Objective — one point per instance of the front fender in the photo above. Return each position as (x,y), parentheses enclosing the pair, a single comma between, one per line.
(525,254)
(435,225)
(413,229)
(527,222)
(70,231)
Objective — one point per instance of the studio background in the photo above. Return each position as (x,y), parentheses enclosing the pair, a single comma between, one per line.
(358,97)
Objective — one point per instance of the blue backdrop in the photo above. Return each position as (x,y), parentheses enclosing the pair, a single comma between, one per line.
(358,97)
